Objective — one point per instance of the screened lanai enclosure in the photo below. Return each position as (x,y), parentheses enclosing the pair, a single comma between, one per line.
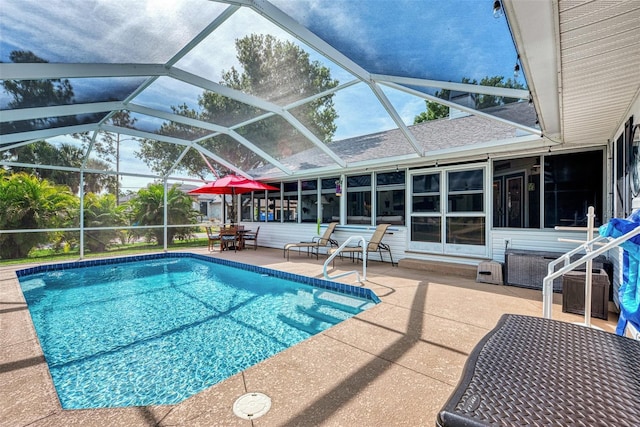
(362,112)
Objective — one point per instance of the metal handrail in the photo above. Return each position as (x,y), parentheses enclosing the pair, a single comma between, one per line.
(337,252)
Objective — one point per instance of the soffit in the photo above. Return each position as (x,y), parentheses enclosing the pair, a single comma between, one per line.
(583,64)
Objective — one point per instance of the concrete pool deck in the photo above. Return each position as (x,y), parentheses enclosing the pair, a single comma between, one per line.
(393,365)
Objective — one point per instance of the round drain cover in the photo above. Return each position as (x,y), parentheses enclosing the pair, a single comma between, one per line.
(252,405)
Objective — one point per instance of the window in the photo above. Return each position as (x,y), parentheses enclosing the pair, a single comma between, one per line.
(259,206)
(426,193)
(426,229)
(274,205)
(290,202)
(465,199)
(246,207)
(309,201)
(426,223)
(329,201)
(448,212)
(359,199)
(390,196)
(572,183)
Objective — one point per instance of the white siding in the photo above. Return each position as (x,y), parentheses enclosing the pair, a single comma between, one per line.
(533,240)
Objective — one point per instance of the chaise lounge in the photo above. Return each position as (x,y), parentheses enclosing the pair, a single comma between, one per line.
(316,242)
(373,245)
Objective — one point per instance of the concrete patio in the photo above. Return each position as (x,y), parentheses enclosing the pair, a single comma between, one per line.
(393,365)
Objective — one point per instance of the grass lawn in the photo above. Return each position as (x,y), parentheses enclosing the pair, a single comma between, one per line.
(49,255)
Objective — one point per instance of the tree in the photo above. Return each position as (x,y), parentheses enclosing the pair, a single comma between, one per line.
(148,209)
(487,101)
(107,148)
(436,110)
(27,202)
(44,153)
(98,182)
(276,70)
(36,93)
(102,211)
(42,93)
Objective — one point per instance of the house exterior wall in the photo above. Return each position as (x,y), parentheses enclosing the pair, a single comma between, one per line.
(277,234)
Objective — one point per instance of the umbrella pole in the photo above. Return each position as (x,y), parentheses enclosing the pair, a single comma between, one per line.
(233,206)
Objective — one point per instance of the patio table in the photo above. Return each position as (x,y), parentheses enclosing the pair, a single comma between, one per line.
(534,371)
(241,233)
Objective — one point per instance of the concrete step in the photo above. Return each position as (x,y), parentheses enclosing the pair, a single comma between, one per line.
(440,267)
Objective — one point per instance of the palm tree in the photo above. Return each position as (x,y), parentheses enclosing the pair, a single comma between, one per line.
(102,211)
(27,202)
(148,209)
(97,182)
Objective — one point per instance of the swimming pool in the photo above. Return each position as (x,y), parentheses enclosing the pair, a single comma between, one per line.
(156,329)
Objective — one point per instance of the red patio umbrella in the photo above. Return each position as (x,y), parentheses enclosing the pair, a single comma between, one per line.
(232,184)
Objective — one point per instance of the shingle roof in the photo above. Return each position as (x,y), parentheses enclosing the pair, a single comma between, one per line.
(446,133)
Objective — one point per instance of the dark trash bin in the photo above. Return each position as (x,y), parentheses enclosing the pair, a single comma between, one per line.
(573,293)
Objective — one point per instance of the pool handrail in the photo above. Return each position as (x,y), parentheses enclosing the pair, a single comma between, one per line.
(337,251)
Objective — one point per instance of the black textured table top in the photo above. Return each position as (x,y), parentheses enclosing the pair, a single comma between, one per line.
(541,372)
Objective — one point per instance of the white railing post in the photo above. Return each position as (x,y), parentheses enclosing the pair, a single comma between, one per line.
(589,269)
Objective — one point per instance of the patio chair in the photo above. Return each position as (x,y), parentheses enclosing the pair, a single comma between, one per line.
(373,245)
(316,242)
(213,238)
(229,238)
(252,237)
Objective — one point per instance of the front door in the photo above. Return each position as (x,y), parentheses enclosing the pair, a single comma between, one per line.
(515,202)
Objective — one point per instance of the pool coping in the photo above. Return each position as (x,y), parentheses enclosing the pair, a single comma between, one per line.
(315,282)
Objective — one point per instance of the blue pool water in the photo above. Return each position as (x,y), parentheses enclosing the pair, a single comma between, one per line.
(158,330)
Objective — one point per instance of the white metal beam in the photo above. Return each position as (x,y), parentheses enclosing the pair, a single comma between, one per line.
(536,32)
(177,162)
(220,19)
(39,71)
(220,160)
(17,145)
(396,118)
(212,127)
(212,86)
(45,133)
(463,108)
(59,110)
(460,87)
(314,139)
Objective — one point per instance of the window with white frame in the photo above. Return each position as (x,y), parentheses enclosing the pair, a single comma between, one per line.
(330,203)
(466,222)
(390,197)
(359,199)
(309,201)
